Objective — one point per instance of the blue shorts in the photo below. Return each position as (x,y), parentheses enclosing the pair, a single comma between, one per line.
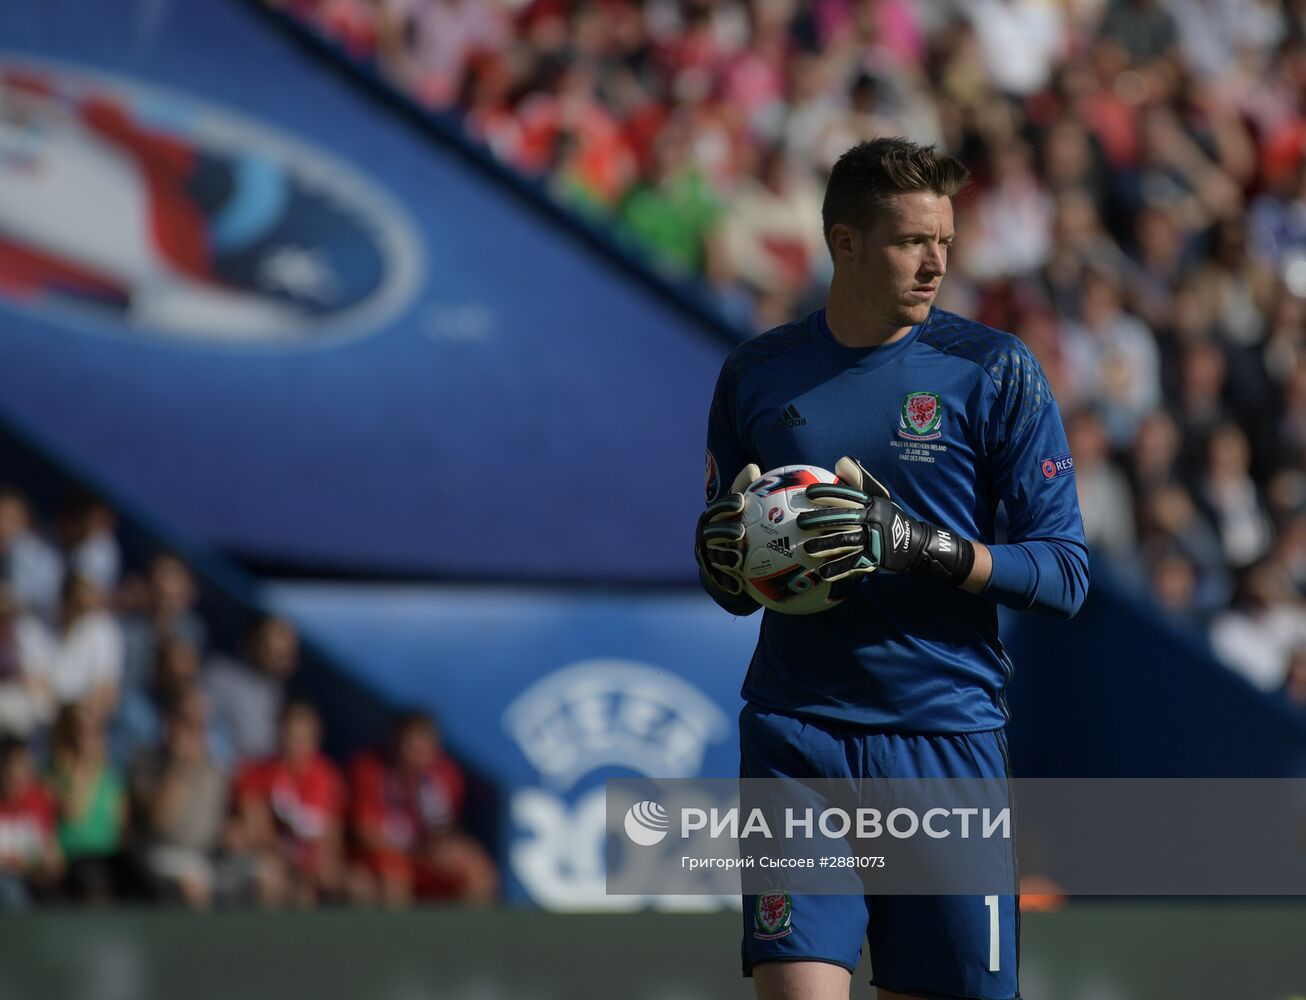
(939,947)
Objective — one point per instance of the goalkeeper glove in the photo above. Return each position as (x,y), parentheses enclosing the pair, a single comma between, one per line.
(719,539)
(860,529)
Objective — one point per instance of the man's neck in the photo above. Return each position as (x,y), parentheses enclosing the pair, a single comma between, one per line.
(852,326)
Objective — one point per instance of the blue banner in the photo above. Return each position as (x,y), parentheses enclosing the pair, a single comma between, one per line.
(259,300)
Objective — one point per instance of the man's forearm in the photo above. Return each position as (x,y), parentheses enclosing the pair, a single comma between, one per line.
(1044,575)
(980,571)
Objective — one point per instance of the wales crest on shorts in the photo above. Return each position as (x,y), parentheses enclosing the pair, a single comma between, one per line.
(772,917)
(921,417)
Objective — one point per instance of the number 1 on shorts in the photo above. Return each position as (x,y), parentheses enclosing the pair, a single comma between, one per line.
(994,927)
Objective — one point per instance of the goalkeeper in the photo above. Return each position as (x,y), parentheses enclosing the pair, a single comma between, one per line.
(939,429)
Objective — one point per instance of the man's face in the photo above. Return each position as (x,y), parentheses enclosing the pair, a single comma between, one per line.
(417,748)
(13,519)
(898,262)
(185,733)
(299,736)
(171,586)
(276,649)
(15,774)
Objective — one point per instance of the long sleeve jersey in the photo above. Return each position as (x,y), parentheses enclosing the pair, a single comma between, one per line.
(957,420)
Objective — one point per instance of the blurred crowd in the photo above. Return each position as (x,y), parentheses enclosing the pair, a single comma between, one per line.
(1137,215)
(139,761)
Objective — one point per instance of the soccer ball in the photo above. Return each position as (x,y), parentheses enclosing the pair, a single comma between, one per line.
(778,574)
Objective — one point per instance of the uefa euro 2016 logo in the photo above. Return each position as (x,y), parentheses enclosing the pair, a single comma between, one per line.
(128,206)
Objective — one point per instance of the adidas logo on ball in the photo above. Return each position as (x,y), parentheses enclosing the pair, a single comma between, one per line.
(781,545)
(779,573)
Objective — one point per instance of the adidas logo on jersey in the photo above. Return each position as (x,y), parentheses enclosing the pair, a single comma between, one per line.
(781,545)
(790,418)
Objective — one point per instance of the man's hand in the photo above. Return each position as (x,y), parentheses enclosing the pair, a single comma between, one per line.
(860,529)
(719,540)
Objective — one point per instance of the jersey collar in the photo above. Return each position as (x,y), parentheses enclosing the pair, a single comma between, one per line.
(858,359)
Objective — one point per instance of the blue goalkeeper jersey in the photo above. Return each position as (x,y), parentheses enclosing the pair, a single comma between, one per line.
(956,419)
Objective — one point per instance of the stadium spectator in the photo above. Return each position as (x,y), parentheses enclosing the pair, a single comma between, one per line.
(428,44)
(1232,499)
(1231,288)
(1021,40)
(26,652)
(1215,34)
(29,565)
(92,804)
(1257,636)
(1277,227)
(86,667)
(1145,29)
(1294,687)
(157,609)
(1200,400)
(1010,232)
(767,235)
(30,861)
(1154,457)
(181,800)
(1174,584)
(1114,355)
(91,544)
(140,722)
(1079,241)
(245,698)
(1161,260)
(290,811)
(404,817)
(1170,522)
(670,211)
(352,21)
(1285,338)
(1104,495)
(1290,549)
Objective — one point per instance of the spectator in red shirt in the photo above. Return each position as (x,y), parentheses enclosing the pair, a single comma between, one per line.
(289,808)
(30,860)
(404,822)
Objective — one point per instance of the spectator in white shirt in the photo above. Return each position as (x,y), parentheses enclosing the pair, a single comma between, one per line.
(1266,625)
(28,563)
(1021,40)
(26,650)
(87,664)
(245,699)
(1115,356)
(92,546)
